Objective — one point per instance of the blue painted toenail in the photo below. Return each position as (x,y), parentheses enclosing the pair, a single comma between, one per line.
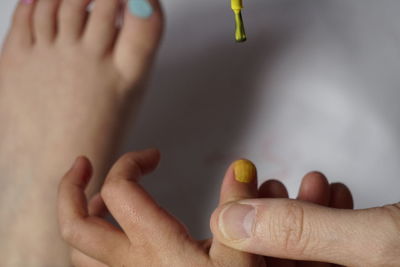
(140,8)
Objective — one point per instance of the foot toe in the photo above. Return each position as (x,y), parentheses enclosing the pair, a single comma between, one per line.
(44,20)
(71,19)
(102,25)
(20,32)
(139,37)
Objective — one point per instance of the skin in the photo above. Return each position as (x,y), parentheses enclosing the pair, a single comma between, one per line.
(97,243)
(314,188)
(68,79)
(328,232)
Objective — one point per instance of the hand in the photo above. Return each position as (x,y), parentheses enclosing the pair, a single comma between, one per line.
(149,235)
(299,230)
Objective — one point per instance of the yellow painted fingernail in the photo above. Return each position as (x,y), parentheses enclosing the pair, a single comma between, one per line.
(245,171)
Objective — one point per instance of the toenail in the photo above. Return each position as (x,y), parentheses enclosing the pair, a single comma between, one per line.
(140,8)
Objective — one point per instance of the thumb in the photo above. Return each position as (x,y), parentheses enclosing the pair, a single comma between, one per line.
(293,229)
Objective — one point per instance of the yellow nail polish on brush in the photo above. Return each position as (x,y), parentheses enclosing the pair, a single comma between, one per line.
(240,34)
(244,170)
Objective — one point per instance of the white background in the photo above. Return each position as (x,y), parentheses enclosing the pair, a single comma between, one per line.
(316,87)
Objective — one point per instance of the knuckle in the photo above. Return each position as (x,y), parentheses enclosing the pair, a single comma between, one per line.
(288,229)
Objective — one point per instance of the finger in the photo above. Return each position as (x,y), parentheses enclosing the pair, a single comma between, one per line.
(79,259)
(273,189)
(299,230)
(341,197)
(142,219)
(93,236)
(240,182)
(96,206)
(315,188)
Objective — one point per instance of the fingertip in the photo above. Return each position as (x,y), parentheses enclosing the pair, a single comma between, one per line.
(79,173)
(96,206)
(240,181)
(229,223)
(273,189)
(216,212)
(341,197)
(315,177)
(315,188)
(217,231)
(149,158)
(154,153)
(215,225)
(244,170)
(213,220)
(137,163)
(71,201)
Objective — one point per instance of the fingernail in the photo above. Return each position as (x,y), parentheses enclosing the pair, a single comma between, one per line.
(140,8)
(27,1)
(244,171)
(236,221)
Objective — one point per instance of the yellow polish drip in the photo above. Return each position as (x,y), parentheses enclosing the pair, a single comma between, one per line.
(240,34)
(244,170)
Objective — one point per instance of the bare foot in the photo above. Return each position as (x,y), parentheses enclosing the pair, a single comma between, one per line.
(67,78)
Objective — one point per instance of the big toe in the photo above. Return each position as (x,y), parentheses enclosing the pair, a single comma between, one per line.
(139,37)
